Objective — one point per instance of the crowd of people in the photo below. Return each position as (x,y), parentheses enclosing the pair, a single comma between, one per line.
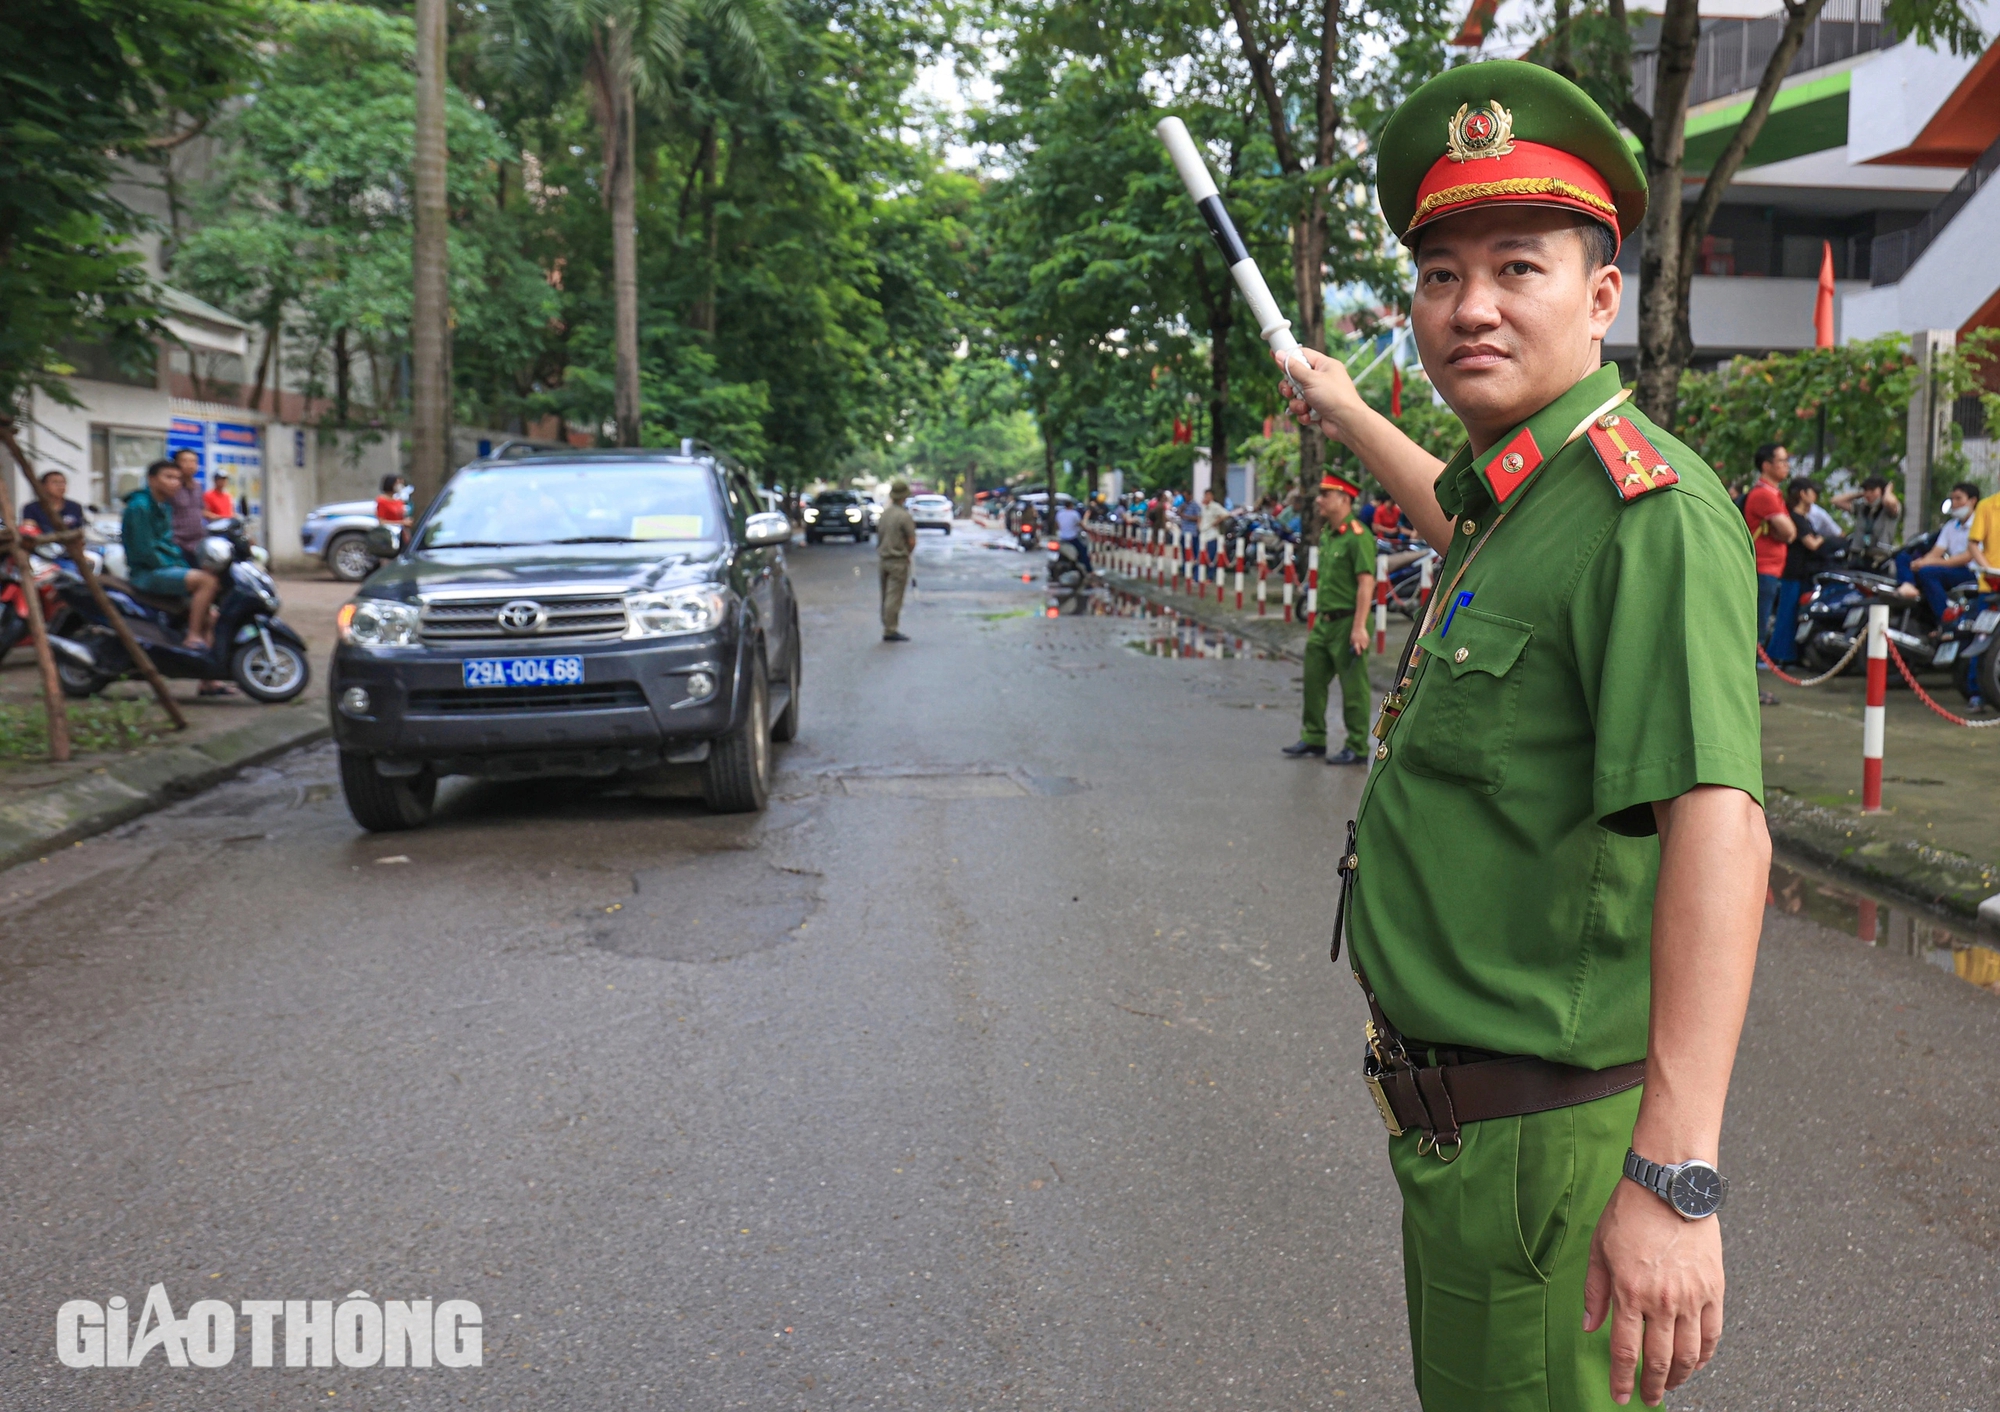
(1797,538)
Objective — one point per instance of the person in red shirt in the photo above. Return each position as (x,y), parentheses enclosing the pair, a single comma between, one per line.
(216,502)
(1771,529)
(389,507)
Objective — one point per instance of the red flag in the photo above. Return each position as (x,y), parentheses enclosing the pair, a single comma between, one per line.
(1267,428)
(1823,304)
(1183,432)
(1395,391)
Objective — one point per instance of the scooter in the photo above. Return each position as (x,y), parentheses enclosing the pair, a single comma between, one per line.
(249,643)
(14,605)
(1971,624)
(1066,570)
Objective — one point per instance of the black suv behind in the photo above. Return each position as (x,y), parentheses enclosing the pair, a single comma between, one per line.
(589,613)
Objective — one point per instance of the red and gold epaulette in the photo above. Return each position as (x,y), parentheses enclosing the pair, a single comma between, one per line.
(1632,462)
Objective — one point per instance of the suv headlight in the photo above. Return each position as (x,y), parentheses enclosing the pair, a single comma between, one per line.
(811,514)
(675,611)
(378,622)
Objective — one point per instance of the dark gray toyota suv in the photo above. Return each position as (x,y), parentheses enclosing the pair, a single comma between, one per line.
(588,613)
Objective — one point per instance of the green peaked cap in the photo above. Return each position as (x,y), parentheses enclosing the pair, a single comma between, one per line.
(1544,107)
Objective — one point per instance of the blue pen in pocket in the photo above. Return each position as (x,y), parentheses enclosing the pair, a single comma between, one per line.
(1452,612)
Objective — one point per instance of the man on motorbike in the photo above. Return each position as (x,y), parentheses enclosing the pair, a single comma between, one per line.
(35,517)
(1944,565)
(1069,530)
(155,563)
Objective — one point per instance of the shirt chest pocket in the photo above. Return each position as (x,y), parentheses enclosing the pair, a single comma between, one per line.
(1461,727)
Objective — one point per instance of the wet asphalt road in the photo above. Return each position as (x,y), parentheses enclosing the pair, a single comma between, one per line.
(998,1066)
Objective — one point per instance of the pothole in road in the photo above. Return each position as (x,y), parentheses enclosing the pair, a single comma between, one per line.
(710,907)
(967,782)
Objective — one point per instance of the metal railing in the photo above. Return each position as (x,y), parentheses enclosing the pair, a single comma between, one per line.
(1731,54)
(1895,252)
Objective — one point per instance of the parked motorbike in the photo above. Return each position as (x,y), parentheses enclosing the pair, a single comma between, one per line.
(249,643)
(1833,612)
(1971,624)
(14,606)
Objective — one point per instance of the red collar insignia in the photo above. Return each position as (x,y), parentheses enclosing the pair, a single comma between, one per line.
(1516,461)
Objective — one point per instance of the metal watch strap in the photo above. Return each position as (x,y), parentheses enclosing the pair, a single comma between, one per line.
(1650,1175)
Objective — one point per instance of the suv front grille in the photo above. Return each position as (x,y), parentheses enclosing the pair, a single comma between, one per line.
(473,701)
(478,619)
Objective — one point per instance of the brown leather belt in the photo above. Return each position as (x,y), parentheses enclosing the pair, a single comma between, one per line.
(1438,1099)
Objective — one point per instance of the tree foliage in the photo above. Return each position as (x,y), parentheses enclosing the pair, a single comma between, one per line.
(84,83)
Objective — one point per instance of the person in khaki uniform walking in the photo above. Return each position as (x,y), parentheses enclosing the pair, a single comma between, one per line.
(895,537)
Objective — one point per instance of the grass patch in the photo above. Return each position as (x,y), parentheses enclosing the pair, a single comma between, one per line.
(95,726)
(1010,613)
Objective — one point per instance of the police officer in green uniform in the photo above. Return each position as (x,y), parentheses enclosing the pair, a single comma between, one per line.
(1337,646)
(1554,885)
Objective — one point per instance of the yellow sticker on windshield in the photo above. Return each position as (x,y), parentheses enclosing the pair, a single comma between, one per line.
(666,527)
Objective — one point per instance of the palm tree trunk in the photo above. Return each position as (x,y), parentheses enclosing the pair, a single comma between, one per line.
(427,314)
(624,261)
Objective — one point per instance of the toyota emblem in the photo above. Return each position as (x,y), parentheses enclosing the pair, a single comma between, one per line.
(523,615)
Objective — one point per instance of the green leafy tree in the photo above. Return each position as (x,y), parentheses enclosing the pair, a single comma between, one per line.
(1863,391)
(85,84)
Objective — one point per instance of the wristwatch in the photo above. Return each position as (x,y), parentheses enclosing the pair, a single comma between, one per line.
(1694,1189)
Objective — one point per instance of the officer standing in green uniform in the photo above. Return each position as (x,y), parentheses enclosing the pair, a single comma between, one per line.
(1337,646)
(1554,885)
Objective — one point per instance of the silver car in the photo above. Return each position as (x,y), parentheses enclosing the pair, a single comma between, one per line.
(931,511)
(338,533)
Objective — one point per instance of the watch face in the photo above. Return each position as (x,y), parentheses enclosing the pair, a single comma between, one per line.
(1697,1191)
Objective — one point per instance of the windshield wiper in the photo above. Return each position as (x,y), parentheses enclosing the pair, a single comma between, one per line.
(480,544)
(596,539)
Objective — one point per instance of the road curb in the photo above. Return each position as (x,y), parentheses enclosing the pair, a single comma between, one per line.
(1869,850)
(124,788)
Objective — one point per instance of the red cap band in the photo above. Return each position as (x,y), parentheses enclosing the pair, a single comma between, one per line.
(1330,481)
(1529,174)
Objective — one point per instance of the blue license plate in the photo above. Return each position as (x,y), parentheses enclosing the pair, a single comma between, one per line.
(524,671)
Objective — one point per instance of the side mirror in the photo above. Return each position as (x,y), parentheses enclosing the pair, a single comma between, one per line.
(766,529)
(383,542)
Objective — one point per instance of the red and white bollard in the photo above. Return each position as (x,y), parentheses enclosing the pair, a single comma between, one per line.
(1239,573)
(1424,578)
(1312,586)
(1381,603)
(1291,580)
(1873,714)
(1263,573)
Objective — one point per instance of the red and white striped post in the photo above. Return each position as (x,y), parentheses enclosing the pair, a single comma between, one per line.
(1381,603)
(1239,573)
(1263,573)
(1424,579)
(1312,586)
(1291,580)
(1873,714)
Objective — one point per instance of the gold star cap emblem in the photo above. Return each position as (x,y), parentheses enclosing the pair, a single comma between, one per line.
(1472,133)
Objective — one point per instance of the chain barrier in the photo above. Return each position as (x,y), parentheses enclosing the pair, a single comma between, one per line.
(1925,696)
(1860,641)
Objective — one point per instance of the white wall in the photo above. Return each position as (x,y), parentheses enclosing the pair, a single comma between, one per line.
(1957,273)
(58,437)
(1739,314)
(1899,90)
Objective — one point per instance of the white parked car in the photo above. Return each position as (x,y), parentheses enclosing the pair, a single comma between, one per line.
(931,511)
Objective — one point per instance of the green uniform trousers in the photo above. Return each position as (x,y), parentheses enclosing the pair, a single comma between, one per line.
(1495,1248)
(1328,655)
(895,578)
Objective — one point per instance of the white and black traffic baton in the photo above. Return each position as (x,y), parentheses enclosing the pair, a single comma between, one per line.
(1274,327)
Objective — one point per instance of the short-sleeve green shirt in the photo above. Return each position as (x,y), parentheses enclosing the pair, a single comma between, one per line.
(1346,551)
(1604,661)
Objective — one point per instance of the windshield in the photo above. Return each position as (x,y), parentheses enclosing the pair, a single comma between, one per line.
(836,497)
(574,504)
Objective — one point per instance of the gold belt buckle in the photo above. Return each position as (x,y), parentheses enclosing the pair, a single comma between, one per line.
(1371,1071)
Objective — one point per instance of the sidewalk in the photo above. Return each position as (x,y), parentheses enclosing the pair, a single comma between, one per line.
(1937,839)
(44,805)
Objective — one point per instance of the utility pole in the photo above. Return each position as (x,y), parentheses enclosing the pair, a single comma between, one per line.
(430,400)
